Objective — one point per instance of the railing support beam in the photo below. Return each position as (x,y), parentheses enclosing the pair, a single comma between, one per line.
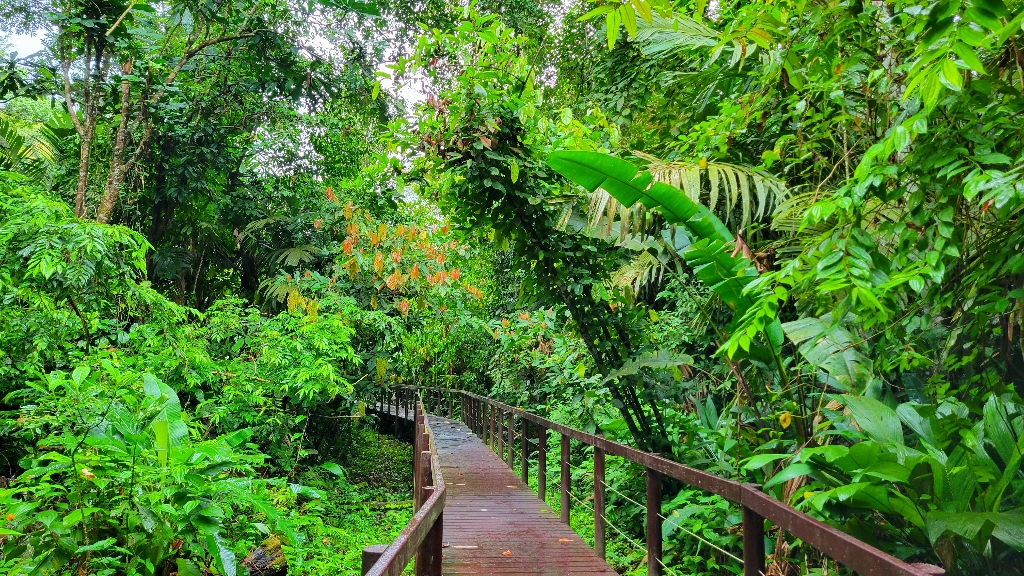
(566,479)
(599,546)
(653,523)
(753,542)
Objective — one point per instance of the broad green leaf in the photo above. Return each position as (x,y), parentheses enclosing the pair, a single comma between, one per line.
(599,11)
(828,346)
(96,546)
(611,22)
(951,75)
(761,459)
(333,469)
(890,471)
(966,53)
(643,9)
(628,18)
(790,472)
(80,374)
(877,420)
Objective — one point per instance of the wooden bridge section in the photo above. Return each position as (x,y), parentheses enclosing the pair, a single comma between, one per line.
(494,523)
(473,515)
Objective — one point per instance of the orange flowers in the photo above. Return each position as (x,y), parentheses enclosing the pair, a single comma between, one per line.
(455,273)
(330,195)
(348,210)
(403,307)
(378,263)
(415,272)
(347,245)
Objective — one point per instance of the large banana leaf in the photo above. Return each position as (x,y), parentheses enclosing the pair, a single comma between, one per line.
(711,255)
(627,184)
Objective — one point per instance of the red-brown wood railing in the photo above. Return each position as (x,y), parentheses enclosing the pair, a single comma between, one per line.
(421,537)
(487,417)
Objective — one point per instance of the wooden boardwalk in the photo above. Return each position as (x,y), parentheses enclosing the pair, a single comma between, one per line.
(493,522)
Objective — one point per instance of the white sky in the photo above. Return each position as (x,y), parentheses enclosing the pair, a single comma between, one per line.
(24,44)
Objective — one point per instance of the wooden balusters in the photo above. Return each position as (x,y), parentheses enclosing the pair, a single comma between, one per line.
(599,546)
(653,523)
(501,434)
(490,418)
(511,439)
(524,450)
(542,462)
(566,479)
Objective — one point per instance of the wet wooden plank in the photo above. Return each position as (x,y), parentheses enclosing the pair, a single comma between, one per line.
(493,523)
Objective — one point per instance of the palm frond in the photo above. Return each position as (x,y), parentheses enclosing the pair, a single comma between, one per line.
(646,268)
(274,288)
(667,36)
(297,255)
(755,193)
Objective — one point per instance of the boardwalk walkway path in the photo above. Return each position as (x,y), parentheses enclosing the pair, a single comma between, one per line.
(493,522)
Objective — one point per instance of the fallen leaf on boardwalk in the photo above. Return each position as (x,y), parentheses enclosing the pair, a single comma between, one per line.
(565,539)
(506,553)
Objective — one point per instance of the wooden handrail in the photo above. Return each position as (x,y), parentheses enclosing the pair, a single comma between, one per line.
(479,413)
(422,536)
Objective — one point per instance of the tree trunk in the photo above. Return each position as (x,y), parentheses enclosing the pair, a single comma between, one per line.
(267,560)
(118,163)
(85,151)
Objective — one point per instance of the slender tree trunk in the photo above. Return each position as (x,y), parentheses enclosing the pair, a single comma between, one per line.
(85,151)
(118,162)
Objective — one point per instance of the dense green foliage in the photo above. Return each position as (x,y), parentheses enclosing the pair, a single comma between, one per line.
(779,241)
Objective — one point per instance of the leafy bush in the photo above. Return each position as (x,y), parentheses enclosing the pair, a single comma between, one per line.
(120,481)
(950,486)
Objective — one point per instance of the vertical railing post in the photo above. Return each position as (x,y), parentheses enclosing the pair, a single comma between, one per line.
(753,538)
(653,523)
(370,556)
(599,547)
(450,411)
(429,554)
(542,462)
(524,450)
(393,405)
(416,450)
(509,457)
(501,434)
(424,481)
(490,418)
(566,479)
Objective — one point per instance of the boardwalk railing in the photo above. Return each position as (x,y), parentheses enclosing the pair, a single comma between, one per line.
(422,536)
(495,423)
